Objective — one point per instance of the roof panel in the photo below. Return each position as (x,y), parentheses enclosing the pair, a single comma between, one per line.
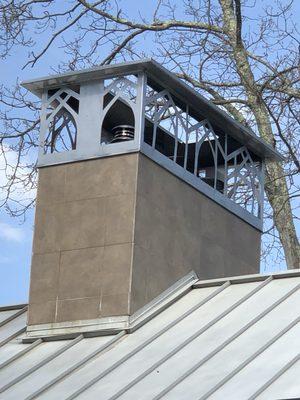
(163,345)
(52,369)
(203,347)
(287,383)
(12,327)
(234,349)
(254,376)
(29,360)
(6,314)
(11,349)
(233,341)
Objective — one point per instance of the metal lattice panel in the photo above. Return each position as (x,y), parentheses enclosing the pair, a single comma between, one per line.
(195,146)
(59,119)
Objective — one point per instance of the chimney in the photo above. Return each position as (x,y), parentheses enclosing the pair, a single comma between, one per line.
(141,181)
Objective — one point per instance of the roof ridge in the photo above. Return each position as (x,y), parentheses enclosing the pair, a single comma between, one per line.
(246,278)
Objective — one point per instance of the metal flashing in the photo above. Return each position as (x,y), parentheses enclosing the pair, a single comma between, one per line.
(112,325)
(247,278)
(164,300)
(60,330)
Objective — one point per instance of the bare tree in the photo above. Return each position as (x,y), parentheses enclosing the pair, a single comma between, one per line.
(243,55)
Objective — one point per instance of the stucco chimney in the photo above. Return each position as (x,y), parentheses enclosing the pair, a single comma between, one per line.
(119,219)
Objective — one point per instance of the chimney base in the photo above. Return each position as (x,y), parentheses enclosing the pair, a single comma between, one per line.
(112,234)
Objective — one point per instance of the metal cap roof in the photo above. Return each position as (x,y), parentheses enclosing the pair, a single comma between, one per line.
(162,78)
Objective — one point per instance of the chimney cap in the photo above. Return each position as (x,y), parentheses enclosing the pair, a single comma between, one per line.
(161,78)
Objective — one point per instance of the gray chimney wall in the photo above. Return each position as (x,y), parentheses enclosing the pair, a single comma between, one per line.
(113,233)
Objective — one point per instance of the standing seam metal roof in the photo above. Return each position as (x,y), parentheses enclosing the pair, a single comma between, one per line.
(234,338)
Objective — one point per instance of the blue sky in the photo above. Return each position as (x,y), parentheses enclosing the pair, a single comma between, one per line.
(16,236)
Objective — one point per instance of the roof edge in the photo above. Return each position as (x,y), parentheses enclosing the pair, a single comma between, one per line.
(36,84)
(247,278)
(13,307)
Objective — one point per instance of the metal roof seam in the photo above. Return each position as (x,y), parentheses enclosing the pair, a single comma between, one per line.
(12,317)
(148,341)
(21,353)
(14,335)
(134,327)
(189,340)
(286,367)
(228,341)
(13,307)
(79,364)
(40,364)
(250,359)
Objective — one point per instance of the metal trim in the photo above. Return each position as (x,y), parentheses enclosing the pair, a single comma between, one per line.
(246,278)
(240,191)
(242,182)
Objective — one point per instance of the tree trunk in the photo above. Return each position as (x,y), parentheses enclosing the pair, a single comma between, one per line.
(276,186)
